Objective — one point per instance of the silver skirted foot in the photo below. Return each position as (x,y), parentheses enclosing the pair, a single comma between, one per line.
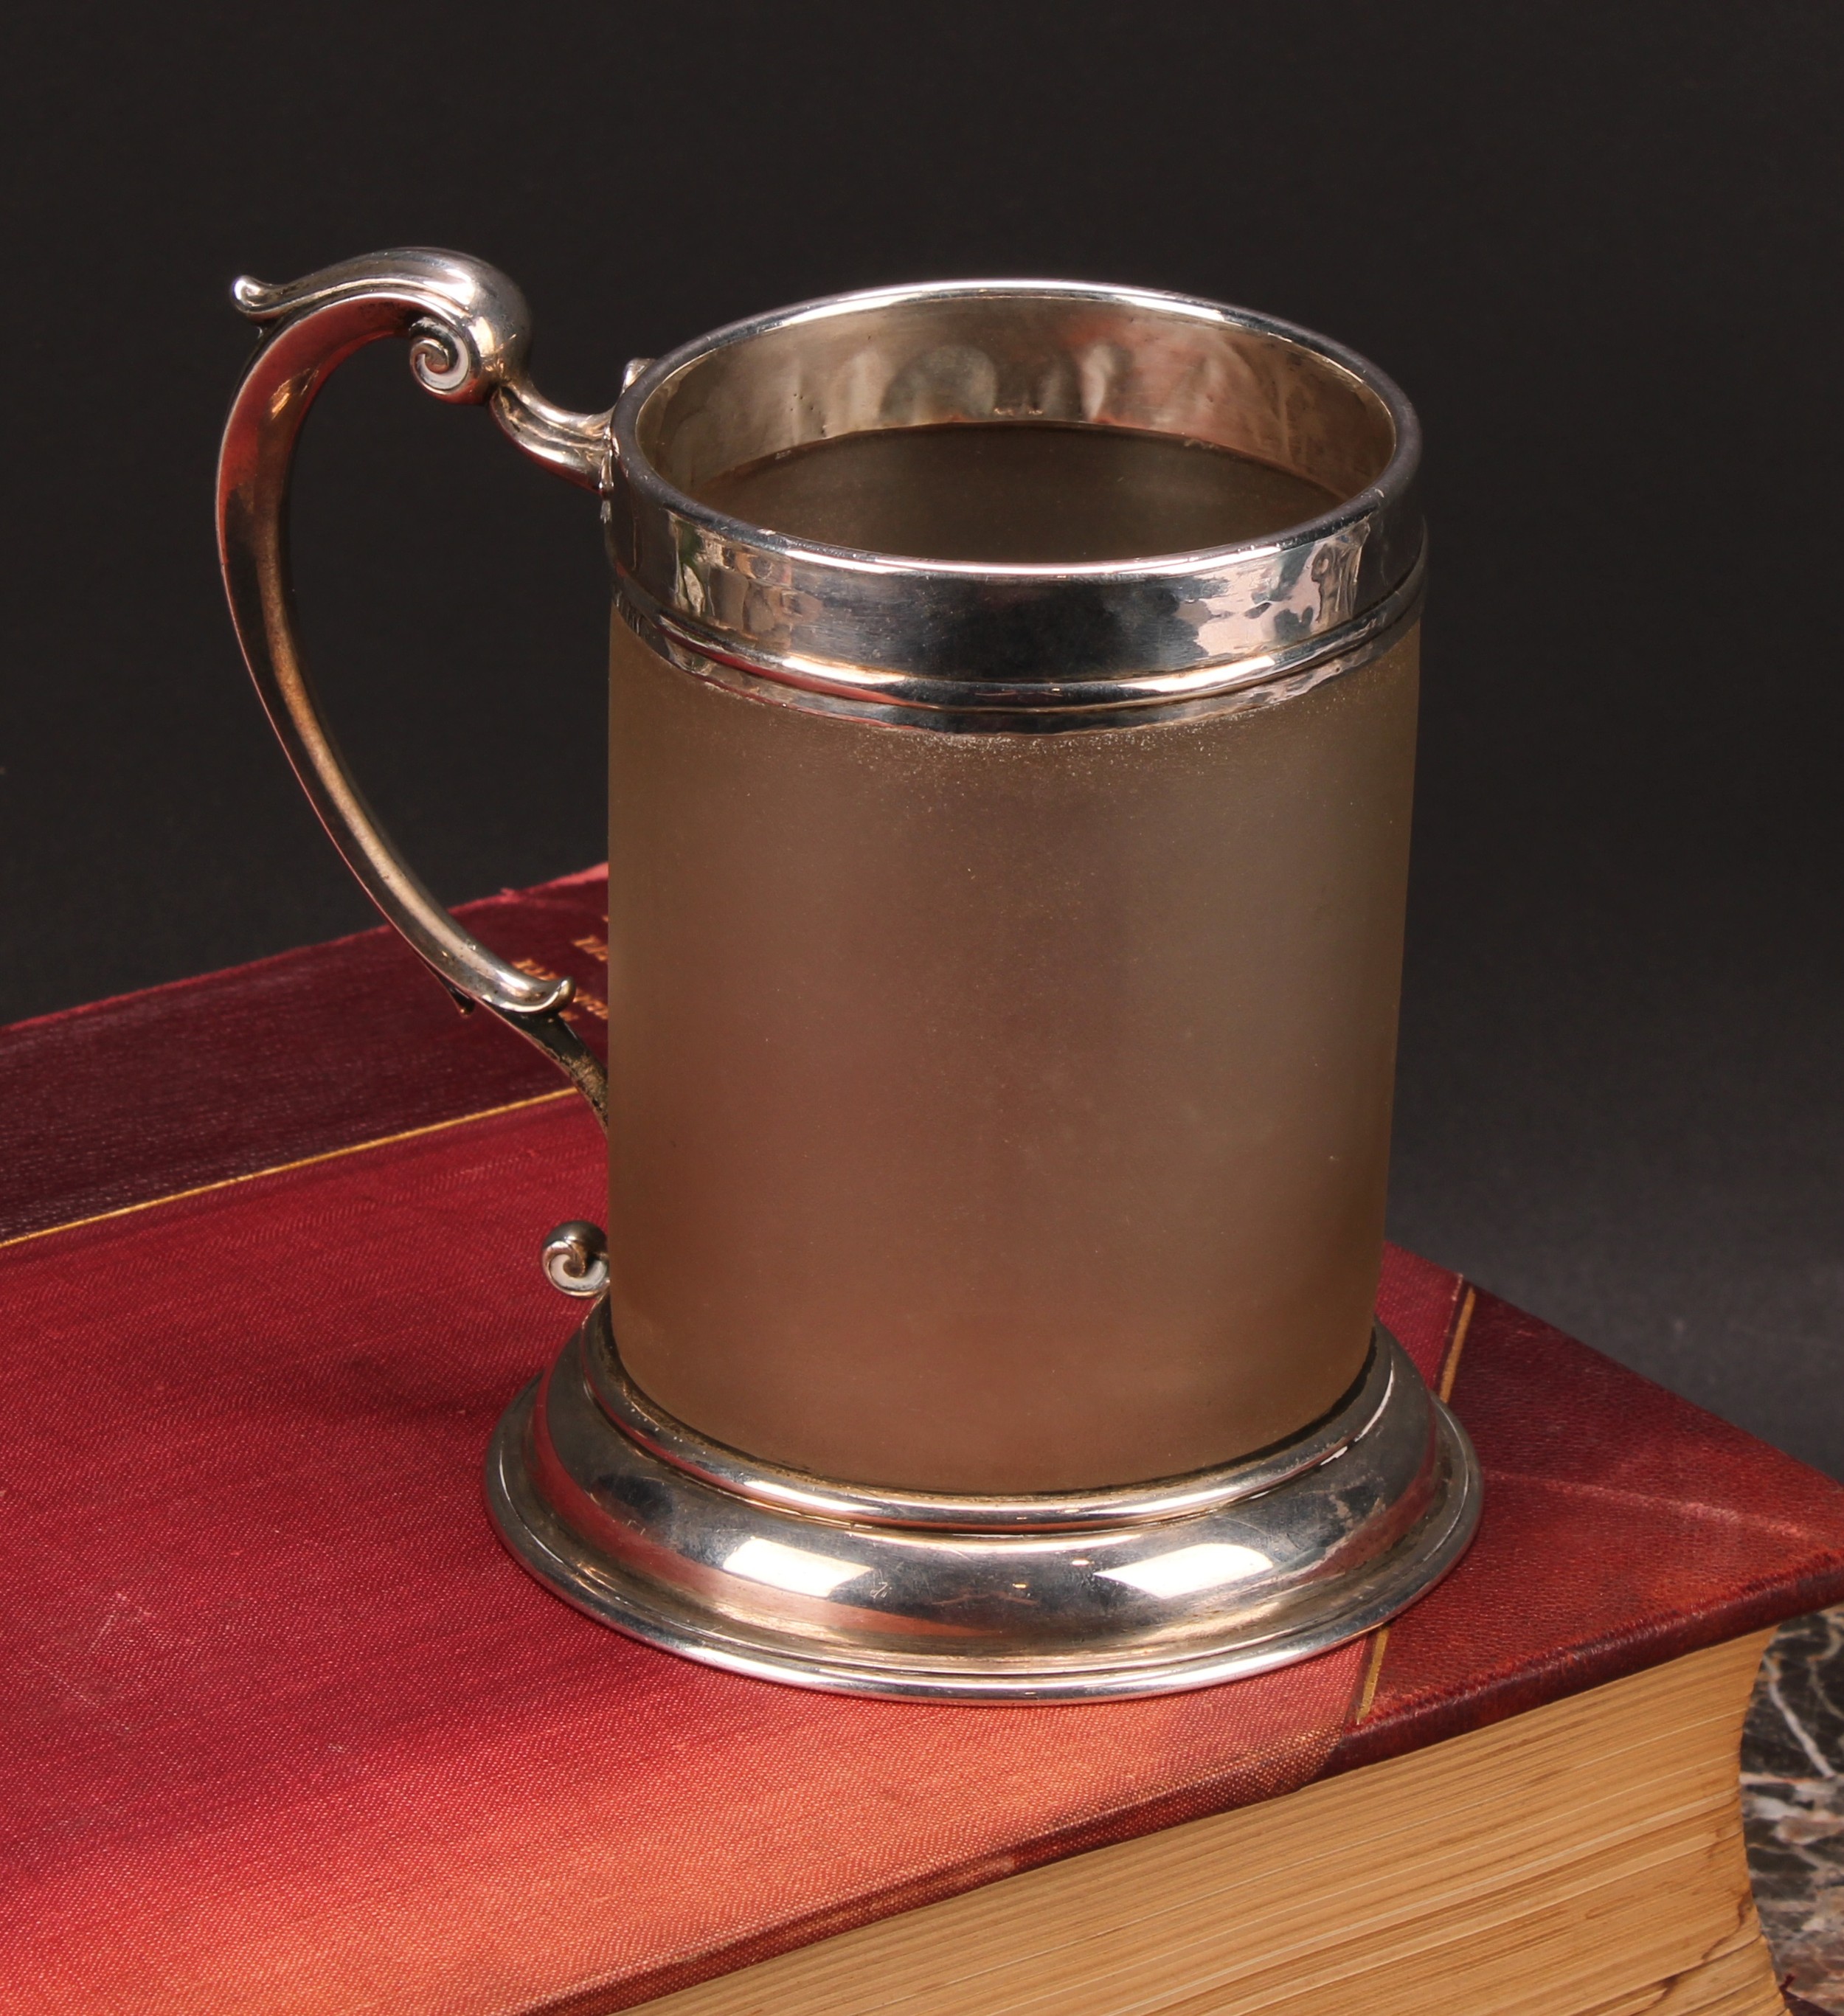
(1150,1589)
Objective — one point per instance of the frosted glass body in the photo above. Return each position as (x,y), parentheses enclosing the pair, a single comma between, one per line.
(998,1112)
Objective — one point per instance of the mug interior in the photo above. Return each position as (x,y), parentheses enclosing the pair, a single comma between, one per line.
(1169,372)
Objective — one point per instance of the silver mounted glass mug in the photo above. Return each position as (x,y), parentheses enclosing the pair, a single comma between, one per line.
(1012,713)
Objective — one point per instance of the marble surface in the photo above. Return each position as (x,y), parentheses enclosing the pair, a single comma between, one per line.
(1792,1797)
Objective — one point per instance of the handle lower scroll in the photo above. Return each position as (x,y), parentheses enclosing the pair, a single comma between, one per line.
(469,330)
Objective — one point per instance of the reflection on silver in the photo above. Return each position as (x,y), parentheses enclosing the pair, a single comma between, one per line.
(792,1568)
(1147,1589)
(1206,1565)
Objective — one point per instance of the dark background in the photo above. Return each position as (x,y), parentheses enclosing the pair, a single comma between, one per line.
(1599,247)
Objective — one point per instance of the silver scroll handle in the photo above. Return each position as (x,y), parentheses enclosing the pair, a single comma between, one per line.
(469,330)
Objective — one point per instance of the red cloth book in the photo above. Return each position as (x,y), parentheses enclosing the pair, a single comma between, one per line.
(286,1730)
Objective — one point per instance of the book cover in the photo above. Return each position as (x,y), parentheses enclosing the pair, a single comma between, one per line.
(289,1731)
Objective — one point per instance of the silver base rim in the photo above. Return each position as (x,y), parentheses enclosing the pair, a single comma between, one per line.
(1331,1552)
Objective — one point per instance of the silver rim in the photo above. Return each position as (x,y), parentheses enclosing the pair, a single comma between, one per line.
(829,622)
